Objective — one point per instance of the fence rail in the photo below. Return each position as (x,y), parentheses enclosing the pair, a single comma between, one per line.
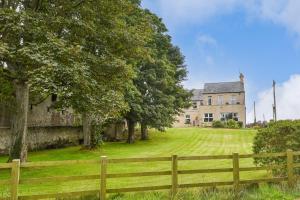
(174,172)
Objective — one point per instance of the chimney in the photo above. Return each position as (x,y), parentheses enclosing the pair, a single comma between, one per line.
(242,77)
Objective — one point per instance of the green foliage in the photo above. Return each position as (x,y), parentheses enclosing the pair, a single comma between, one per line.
(157,95)
(6,91)
(240,124)
(277,137)
(218,124)
(83,52)
(232,124)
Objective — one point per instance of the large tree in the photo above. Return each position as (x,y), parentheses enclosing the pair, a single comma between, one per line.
(79,50)
(157,96)
(117,40)
(27,38)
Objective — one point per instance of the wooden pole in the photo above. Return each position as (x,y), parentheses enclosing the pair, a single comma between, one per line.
(15,177)
(236,171)
(103,177)
(290,167)
(274,105)
(174,175)
(254,113)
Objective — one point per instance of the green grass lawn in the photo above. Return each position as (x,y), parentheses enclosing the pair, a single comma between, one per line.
(180,141)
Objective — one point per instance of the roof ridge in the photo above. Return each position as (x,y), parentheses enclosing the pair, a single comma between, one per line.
(224,82)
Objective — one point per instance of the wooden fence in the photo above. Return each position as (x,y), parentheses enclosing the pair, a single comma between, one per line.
(174,172)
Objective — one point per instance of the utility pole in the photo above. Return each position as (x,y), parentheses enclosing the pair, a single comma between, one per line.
(254,113)
(274,104)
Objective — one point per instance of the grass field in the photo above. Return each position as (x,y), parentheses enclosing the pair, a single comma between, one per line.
(180,141)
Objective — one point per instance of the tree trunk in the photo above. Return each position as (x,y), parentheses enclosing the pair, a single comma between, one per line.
(18,148)
(116,132)
(87,130)
(131,125)
(144,132)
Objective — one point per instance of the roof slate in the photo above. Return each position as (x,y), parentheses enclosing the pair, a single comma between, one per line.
(224,87)
(197,95)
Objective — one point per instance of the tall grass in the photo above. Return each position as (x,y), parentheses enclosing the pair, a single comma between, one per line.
(264,192)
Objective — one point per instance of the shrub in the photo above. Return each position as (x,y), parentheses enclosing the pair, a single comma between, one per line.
(277,137)
(240,124)
(232,124)
(218,124)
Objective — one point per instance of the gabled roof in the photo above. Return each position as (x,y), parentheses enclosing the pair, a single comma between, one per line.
(224,87)
(197,95)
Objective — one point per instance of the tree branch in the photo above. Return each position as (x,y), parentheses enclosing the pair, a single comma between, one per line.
(79,3)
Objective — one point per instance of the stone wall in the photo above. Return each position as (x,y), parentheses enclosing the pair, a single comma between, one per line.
(52,137)
(43,115)
(44,137)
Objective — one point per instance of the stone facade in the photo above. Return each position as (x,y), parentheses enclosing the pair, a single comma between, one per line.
(217,101)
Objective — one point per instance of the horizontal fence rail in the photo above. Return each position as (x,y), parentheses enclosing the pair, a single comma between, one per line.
(174,173)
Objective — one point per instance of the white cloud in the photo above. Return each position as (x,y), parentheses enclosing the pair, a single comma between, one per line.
(288,107)
(181,12)
(193,11)
(206,40)
(284,12)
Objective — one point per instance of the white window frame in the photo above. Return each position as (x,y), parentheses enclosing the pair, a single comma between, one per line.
(223,116)
(187,119)
(208,117)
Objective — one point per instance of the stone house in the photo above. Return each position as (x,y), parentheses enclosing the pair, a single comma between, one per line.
(216,101)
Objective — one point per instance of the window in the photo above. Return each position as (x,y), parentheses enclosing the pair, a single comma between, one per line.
(195,105)
(208,117)
(201,102)
(233,100)
(228,116)
(209,100)
(187,119)
(235,116)
(220,100)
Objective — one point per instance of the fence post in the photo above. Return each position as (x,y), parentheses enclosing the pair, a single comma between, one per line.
(103,177)
(15,177)
(290,167)
(236,170)
(174,175)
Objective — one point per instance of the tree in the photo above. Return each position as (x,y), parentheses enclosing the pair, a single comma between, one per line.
(157,96)
(82,51)
(277,137)
(26,41)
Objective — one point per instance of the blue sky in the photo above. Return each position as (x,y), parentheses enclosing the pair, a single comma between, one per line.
(220,38)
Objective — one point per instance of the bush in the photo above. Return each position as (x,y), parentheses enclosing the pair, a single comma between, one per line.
(240,124)
(218,124)
(232,124)
(277,137)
